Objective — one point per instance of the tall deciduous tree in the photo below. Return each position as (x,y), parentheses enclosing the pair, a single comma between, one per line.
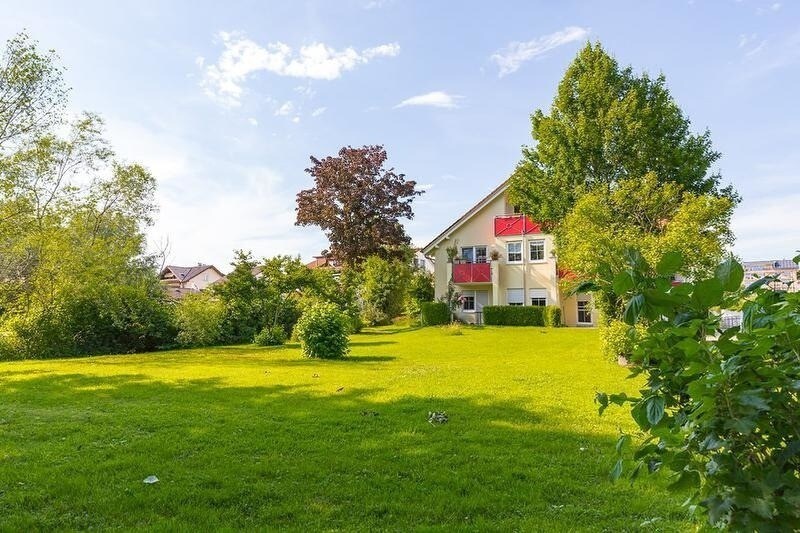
(607,124)
(358,203)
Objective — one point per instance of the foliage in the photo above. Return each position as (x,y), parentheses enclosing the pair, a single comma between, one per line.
(656,218)
(451,298)
(249,303)
(358,204)
(420,286)
(617,339)
(434,313)
(322,331)
(513,315)
(719,407)
(270,336)
(199,318)
(383,292)
(453,329)
(608,124)
(552,316)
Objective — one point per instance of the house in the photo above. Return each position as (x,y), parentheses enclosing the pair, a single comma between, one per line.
(322,261)
(180,281)
(420,261)
(785,270)
(502,257)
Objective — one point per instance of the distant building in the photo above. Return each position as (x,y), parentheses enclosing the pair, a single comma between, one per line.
(180,281)
(422,262)
(786,270)
(322,261)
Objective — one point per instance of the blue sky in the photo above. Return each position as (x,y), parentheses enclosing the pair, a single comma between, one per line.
(225,102)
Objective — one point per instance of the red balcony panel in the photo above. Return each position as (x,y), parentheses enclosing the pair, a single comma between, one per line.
(510,225)
(472,273)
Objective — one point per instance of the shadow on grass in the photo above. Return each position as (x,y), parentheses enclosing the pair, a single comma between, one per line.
(76,447)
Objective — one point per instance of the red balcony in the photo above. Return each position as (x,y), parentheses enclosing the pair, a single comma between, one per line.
(472,273)
(510,225)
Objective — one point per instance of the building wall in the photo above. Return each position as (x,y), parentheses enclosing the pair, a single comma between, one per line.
(203,280)
(479,231)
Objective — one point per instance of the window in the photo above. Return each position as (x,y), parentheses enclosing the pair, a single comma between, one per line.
(473,254)
(517,210)
(584,312)
(536,249)
(538,297)
(514,252)
(473,301)
(515,296)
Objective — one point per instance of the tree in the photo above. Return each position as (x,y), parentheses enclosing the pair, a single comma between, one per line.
(249,302)
(358,204)
(607,124)
(384,289)
(655,218)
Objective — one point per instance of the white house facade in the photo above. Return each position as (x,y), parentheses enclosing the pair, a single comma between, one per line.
(502,258)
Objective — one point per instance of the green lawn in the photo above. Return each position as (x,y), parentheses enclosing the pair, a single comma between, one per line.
(249,437)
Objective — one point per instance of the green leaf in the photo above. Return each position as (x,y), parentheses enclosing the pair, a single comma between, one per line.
(758,283)
(633,309)
(639,415)
(730,274)
(669,264)
(622,441)
(654,407)
(707,293)
(616,472)
(796,258)
(634,259)
(623,282)
(687,480)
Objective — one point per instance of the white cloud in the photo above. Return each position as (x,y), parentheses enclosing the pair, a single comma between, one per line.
(318,111)
(296,119)
(305,90)
(223,81)
(252,121)
(432,99)
(285,109)
(758,235)
(510,58)
(200,61)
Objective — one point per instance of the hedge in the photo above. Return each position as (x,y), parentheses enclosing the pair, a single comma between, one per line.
(513,315)
(434,313)
(552,316)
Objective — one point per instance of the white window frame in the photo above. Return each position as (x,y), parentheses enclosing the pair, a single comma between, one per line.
(474,295)
(521,300)
(588,309)
(508,253)
(474,249)
(537,291)
(544,251)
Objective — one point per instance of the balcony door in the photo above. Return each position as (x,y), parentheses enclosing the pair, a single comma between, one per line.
(473,254)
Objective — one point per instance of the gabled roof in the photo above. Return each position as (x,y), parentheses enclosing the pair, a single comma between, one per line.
(466,216)
(186,273)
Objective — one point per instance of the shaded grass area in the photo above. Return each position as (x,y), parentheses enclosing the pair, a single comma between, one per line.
(250,437)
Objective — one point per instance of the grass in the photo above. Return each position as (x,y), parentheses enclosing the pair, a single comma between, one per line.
(260,438)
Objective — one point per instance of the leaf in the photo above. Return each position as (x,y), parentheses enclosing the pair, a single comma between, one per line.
(730,274)
(707,293)
(633,309)
(616,472)
(640,416)
(623,282)
(669,264)
(622,441)
(758,283)
(687,480)
(753,399)
(584,286)
(654,407)
(634,258)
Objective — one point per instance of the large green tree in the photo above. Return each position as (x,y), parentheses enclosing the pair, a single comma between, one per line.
(606,124)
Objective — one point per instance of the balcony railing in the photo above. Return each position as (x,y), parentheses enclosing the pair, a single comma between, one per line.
(472,273)
(510,225)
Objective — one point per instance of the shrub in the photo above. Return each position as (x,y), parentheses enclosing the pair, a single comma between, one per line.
(552,316)
(199,318)
(434,313)
(384,289)
(513,315)
(617,339)
(719,405)
(453,329)
(322,331)
(271,336)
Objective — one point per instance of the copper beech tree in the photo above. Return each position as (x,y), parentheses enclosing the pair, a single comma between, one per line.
(358,204)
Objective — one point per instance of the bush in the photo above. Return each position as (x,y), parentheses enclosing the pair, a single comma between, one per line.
(322,331)
(270,336)
(434,313)
(384,287)
(719,406)
(617,339)
(552,316)
(453,329)
(199,318)
(513,315)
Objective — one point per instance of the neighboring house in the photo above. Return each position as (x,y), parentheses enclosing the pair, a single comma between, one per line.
(503,258)
(422,262)
(786,270)
(322,261)
(180,281)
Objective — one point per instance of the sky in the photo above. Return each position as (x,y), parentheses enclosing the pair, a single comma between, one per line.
(225,102)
